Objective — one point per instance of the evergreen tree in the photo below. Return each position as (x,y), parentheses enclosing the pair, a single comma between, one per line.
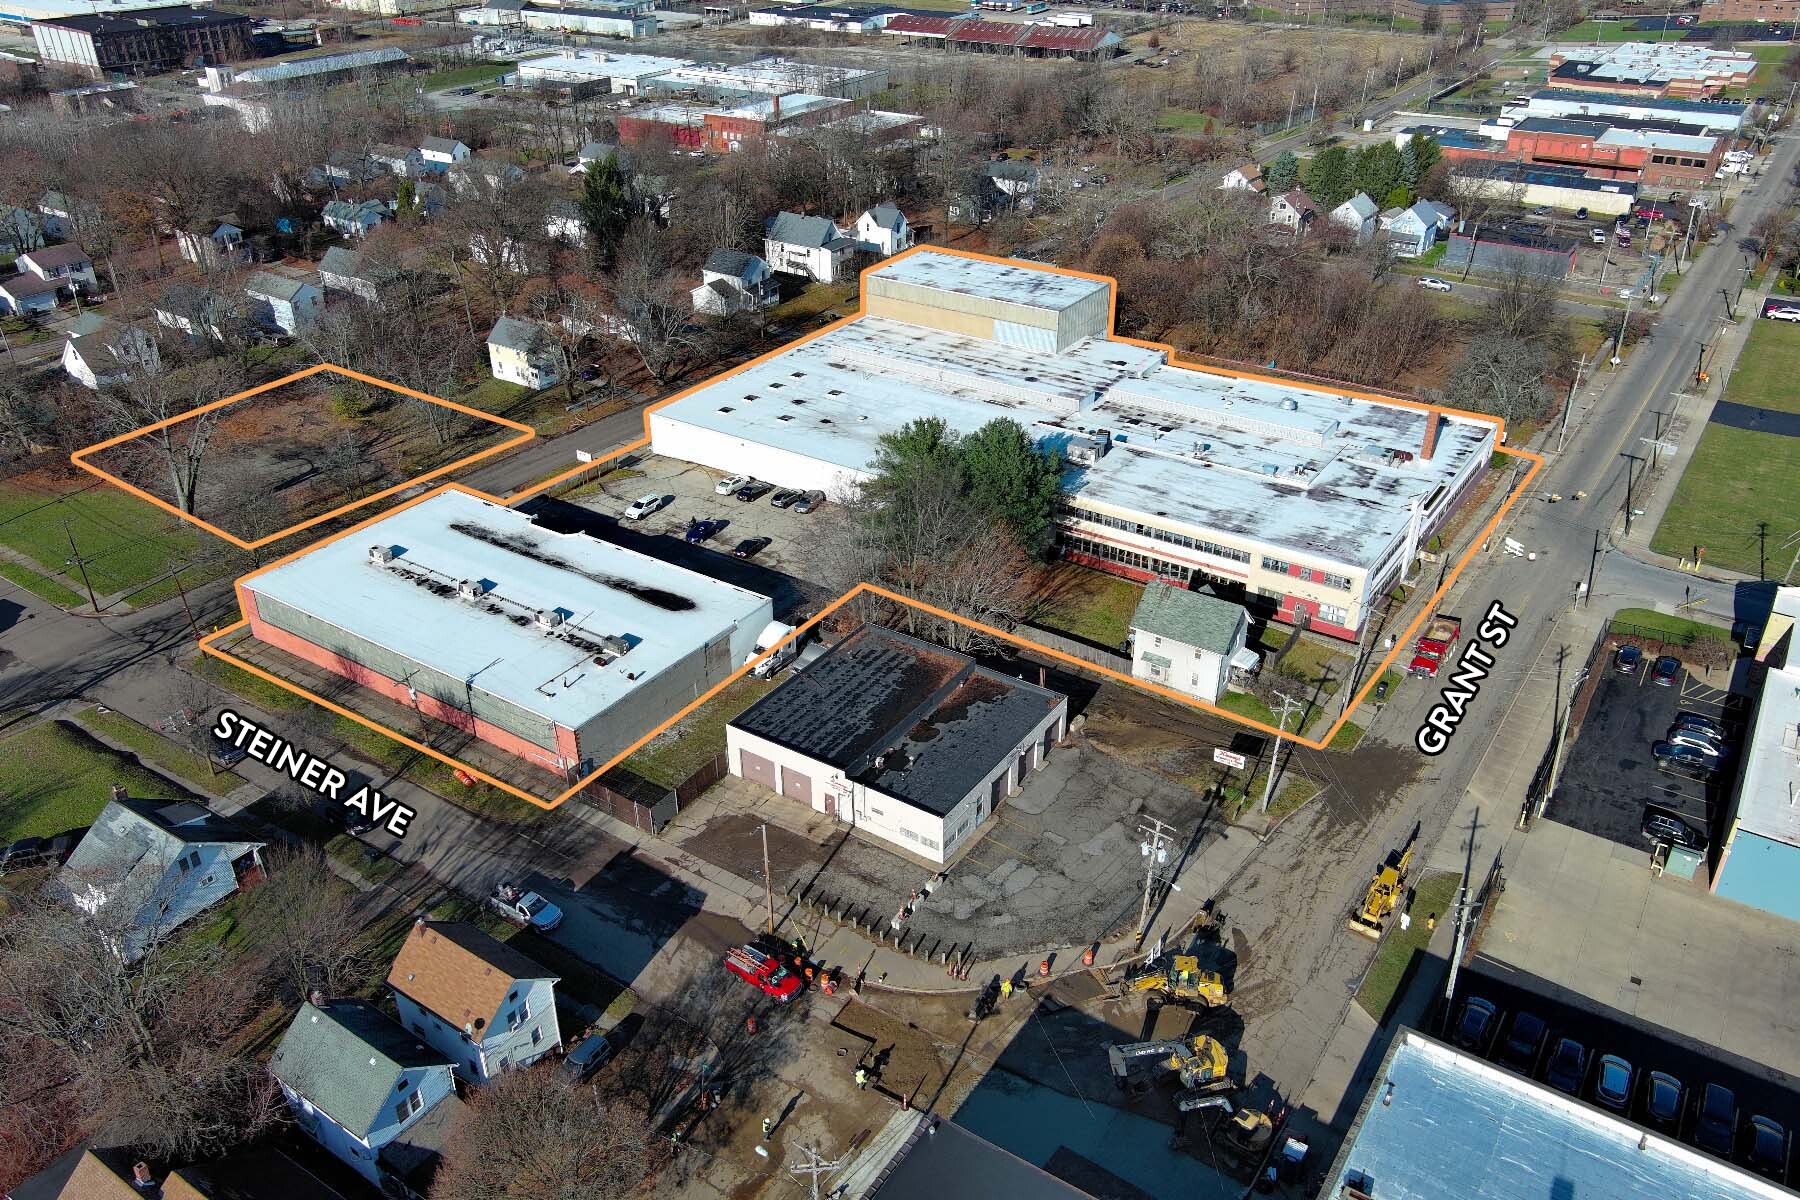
(1013,481)
(1328,177)
(1377,170)
(1283,173)
(605,206)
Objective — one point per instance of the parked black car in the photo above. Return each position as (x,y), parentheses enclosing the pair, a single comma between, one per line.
(1666,670)
(1612,1083)
(1567,1065)
(1687,719)
(1664,1098)
(22,854)
(749,547)
(1627,660)
(1686,758)
(1523,1042)
(593,1053)
(754,490)
(1715,1125)
(1667,827)
(1479,1020)
(786,497)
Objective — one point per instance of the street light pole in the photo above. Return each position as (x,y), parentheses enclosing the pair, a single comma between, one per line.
(1630,458)
(768,882)
(1275,758)
(1574,385)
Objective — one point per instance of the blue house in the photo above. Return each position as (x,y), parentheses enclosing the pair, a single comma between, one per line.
(1413,231)
(368,1091)
(148,866)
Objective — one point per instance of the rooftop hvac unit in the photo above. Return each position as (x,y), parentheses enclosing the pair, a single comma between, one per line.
(615,645)
(1271,469)
(547,618)
(381,556)
(471,589)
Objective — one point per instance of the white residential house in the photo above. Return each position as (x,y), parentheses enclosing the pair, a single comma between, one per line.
(437,153)
(193,311)
(1293,210)
(811,246)
(350,166)
(101,352)
(223,243)
(346,270)
(1189,641)
(521,352)
(407,161)
(733,282)
(883,230)
(1413,231)
(20,229)
(61,216)
(1247,178)
(1357,214)
(564,222)
(146,867)
(487,247)
(483,171)
(284,300)
(366,1089)
(25,293)
(594,152)
(354,218)
(66,266)
(476,1000)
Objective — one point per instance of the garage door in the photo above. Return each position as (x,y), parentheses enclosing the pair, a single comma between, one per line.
(796,786)
(758,769)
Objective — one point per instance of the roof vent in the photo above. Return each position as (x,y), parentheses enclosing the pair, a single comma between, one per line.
(471,589)
(547,618)
(1271,469)
(381,556)
(1290,404)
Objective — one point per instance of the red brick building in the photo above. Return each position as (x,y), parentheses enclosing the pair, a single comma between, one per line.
(726,130)
(1750,10)
(1649,153)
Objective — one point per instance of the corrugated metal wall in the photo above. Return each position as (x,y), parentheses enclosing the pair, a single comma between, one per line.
(452,691)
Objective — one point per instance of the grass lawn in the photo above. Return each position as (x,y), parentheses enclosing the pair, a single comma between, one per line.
(1673,629)
(40,586)
(492,395)
(1186,120)
(1434,894)
(125,541)
(1310,662)
(1088,604)
(1242,795)
(254,688)
(677,754)
(1346,738)
(813,300)
(1765,371)
(1612,31)
(54,777)
(1246,705)
(1735,479)
(366,861)
(476,73)
(152,747)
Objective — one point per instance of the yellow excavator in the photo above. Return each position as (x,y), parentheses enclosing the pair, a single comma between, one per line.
(1385,890)
(1198,1062)
(1178,979)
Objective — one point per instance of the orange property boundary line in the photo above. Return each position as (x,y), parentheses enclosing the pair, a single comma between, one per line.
(210,643)
(80,457)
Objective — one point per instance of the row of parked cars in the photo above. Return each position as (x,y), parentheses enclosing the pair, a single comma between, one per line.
(1708,1117)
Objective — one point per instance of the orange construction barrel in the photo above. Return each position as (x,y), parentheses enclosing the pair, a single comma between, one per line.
(1044,969)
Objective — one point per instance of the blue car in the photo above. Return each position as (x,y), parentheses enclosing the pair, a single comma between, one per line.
(699,531)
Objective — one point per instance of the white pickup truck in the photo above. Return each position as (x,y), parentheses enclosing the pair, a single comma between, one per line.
(525,908)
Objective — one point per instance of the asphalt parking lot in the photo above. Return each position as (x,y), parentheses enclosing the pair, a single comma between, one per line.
(1609,776)
(687,492)
(1759,1090)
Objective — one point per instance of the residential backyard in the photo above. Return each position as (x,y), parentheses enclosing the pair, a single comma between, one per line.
(1087,604)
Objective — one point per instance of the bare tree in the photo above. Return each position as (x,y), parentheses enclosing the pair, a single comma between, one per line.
(153,392)
(652,308)
(303,917)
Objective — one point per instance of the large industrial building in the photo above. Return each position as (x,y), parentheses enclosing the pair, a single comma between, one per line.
(144,41)
(557,648)
(773,76)
(1302,502)
(910,742)
(1651,68)
(1718,116)
(1759,860)
(1439,1124)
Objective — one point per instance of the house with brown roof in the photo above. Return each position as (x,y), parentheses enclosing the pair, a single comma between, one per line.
(474,999)
(1293,211)
(1247,178)
(253,1173)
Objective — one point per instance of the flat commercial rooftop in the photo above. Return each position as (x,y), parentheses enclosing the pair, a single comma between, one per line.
(1283,464)
(991,281)
(763,75)
(610,66)
(913,720)
(1767,801)
(603,593)
(1441,1125)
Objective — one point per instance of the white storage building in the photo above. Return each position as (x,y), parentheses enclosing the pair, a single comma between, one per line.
(910,742)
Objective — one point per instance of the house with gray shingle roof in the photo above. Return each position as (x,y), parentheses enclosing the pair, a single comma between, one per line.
(365,1088)
(732,282)
(354,218)
(146,867)
(883,230)
(1189,641)
(284,300)
(521,352)
(815,247)
(1357,214)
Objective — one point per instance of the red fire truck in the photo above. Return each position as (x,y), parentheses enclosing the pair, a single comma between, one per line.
(763,971)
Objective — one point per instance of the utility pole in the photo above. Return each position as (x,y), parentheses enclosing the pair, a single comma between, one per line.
(1762,550)
(1700,366)
(1593,559)
(1287,703)
(768,882)
(1356,667)
(1619,347)
(1574,385)
(1159,835)
(815,1167)
(1456,948)
(1562,729)
(81,564)
(1629,481)
(182,588)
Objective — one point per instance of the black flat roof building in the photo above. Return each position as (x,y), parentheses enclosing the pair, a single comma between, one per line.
(145,41)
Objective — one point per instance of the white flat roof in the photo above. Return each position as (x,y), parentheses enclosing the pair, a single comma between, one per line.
(1769,802)
(1020,284)
(764,75)
(611,66)
(411,606)
(1210,452)
(1657,139)
(791,104)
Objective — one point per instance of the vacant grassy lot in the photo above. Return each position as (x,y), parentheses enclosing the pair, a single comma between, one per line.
(678,753)
(152,747)
(1735,479)
(476,73)
(1088,604)
(124,541)
(54,777)
(1674,629)
(1767,368)
(1434,895)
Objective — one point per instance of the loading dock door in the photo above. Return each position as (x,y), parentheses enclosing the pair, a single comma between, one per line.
(1024,765)
(758,769)
(998,792)
(1049,741)
(796,786)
